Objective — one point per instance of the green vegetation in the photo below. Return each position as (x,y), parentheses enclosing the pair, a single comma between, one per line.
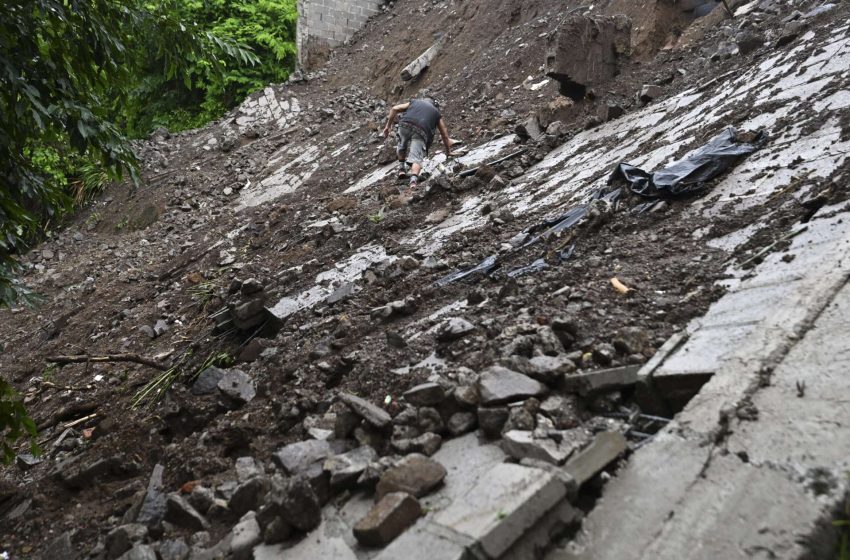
(14,424)
(158,387)
(80,77)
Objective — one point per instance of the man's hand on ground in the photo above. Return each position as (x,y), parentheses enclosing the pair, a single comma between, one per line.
(386,131)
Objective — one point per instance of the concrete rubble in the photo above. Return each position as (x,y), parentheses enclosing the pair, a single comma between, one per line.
(527,409)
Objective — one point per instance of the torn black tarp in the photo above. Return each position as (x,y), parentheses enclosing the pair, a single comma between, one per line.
(484,267)
(689,175)
(569,218)
(536,266)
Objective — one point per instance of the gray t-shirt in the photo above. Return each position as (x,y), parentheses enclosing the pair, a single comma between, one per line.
(424,117)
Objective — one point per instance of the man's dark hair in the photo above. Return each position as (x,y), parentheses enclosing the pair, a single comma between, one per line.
(432,101)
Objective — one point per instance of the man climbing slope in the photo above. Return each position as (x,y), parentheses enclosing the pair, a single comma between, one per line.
(420,118)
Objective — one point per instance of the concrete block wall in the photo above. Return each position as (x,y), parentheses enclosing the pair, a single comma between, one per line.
(325,24)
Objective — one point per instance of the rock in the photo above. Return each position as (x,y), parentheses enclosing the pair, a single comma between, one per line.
(370,436)
(295,458)
(366,410)
(294,501)
(139,552)
(613,111)
(603,380)
(174,549)
(394,308)
(277,531)
(61,547)
(492,420)
(603,354)
(529,130)
(160,328)
(585,50)
(344,469)
(429,420)
(453,329)
(244,536)
(237,387)
(426,394)
(548,369)
(345,422)
(251,286)
(605,448)
(499,385)
(249,314)
(649,92)
(520,444)
(557,128)
(519,418)
(415,474)
(562,410)
(387,519)
(249,495)
(460,423)
(75,473)
(427,444)
(207,381)
(122,538)
(748,42)
(247,468)
(465,396)
(631,340)
(181,513)
(152,510)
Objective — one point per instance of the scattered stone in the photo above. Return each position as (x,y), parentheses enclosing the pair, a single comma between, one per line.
(562,411)
(26,461)
(207,381)
(61,547)
(247,468)
(139,552)
(294,501)
(415,474)
(345,422)
(387,519)
(152,510)
(251,286)
(492,420)
(466,396)
(249,495)
(181,513)
(519,418)
(160,328)
(426,394)
(461,423)
(366,410)
(427,444)
(429,420)
(394,308)
(649,93)
(520,444)
(295,458)
(244,536)
(613,111)
(453,329)
(499,385)
(174,549)
(122,538)
(237,387)
(749,41)
(605,448)
(344,469)
(603,354)
(603,380)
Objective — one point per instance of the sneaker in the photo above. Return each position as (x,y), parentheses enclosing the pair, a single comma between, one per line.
(402,174)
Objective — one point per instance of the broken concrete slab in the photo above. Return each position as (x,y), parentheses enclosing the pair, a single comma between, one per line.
(415,474)
(555,449)
(502,506)
(421,62)
(606,447)
(237,388)
(585,50)
(387,519)
(499,385)
(366,410)
(425,394)
(345,468)
(602,380)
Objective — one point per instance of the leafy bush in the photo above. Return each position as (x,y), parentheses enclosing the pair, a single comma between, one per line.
(14,423)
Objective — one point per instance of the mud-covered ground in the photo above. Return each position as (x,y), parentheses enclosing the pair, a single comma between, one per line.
(145,271)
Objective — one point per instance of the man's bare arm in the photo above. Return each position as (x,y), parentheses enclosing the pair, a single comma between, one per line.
(396,109)
(444,134)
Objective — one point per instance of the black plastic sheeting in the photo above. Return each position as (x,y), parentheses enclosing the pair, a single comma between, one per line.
(485,267)
(690,175)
